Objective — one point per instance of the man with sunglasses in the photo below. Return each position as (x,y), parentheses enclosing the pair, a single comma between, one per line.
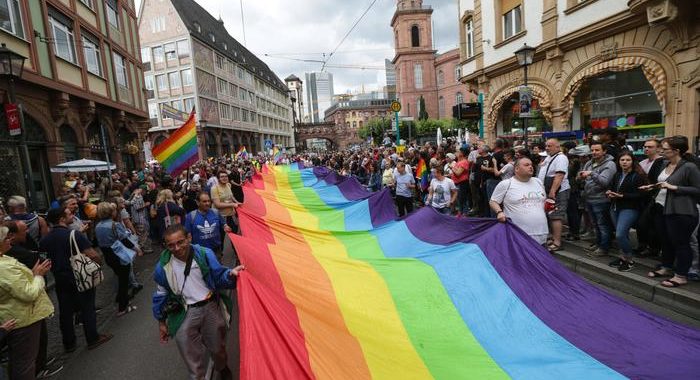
(189,303)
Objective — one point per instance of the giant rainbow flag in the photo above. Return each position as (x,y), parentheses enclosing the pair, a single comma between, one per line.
(336,288)
(179,150)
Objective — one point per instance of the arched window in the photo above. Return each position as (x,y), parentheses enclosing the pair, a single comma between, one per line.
(441,78)
(459,98)
(70,143)
(415,36)
(441,106)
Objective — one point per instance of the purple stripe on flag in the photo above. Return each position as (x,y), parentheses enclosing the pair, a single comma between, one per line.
(381,206)
(633,342)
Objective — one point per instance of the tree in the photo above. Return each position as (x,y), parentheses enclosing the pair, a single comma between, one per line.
(423,113)
(375,128)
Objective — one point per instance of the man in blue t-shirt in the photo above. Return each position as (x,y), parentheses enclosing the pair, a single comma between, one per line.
(206,225)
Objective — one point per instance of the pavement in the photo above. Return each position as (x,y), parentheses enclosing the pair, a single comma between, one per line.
(135,352)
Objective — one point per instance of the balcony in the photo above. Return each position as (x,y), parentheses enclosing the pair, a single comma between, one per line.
(413,7)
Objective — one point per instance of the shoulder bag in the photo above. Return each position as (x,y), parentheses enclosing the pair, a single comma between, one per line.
(549,181)
(125,254)
(88,274)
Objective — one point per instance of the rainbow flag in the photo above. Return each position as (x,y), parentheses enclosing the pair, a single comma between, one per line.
(276,154)
(336,288)
(423,173)
(179,150)
(242,154)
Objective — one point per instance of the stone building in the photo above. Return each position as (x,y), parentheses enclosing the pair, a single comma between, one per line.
(419,70)
(631,64)
(190,60)
(82,69)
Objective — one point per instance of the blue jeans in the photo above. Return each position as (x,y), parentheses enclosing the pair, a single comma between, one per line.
(490,187)
(600,213)
(623,221)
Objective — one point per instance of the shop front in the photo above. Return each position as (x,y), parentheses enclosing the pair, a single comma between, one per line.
(511,124)
(624,100)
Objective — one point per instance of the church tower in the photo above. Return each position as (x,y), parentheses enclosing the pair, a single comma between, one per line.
(414,57)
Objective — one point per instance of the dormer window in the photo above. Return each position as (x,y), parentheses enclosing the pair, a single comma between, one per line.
(198,27)
(225,46)
(212,37)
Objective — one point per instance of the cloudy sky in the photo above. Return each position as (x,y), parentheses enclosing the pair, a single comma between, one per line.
(305,29)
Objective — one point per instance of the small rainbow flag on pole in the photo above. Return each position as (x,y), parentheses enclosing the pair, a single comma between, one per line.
(242,153)
(179,151)
(276,154)
(422,173)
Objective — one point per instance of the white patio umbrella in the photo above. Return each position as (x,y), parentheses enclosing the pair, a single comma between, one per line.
(439,136)
(83,165)
(459,136)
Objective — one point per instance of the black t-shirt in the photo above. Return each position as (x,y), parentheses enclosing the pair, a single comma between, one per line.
(235,189)
(500,159)
(23,255)
(481,176)
(190,203)
(58,248)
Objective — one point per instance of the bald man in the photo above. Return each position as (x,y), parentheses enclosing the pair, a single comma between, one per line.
(553,174)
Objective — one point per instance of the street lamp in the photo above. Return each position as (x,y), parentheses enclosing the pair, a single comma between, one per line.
(12,66)
(525,55)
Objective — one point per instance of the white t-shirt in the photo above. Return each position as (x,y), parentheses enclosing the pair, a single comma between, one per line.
(523,203)
(507,171)
(402,181)
(195,289)
(442,192)
(559,165)
(663,193)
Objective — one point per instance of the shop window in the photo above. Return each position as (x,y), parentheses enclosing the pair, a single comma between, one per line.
(624,100)
(511,125)
(415,36)
(11,18)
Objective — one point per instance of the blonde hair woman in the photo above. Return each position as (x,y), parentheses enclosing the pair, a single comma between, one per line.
(25,304)
(168,211)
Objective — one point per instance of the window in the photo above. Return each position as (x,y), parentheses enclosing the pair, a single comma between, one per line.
(170,51)
(186,77)
(120,69)
(63,38)
(145,55)
(149,82)
(174,79)
(251,96)
(10,17)
(240,73)
(441,78)
(418,75)
(244,115)
(212,37)
(470,38)
(512,22)
(222,86)
(198,27)
(177,104)
(220,62)
(112,13)
(459,98)
(91,51)
(158,56)
(458,73)
(88,3)
(242,93)
(235,113)
(225,46)
(152,110)
(441,106)
(225,111)
(158,24)
(189,104)
(162,82)
(183,48)
(233,89)
(415,36)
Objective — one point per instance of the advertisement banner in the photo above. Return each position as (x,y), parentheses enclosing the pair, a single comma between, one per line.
(12,115)
(525,101)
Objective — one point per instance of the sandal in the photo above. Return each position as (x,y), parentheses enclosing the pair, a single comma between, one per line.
(660,273)
(672,283)
(554,247)
(128,310)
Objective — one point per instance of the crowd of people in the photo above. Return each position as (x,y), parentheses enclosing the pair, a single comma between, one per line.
(595,190)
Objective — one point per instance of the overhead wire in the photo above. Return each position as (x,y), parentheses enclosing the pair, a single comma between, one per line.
(348,33)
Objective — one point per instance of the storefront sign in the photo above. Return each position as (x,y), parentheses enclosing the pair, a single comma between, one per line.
(525,101)
(12,115)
